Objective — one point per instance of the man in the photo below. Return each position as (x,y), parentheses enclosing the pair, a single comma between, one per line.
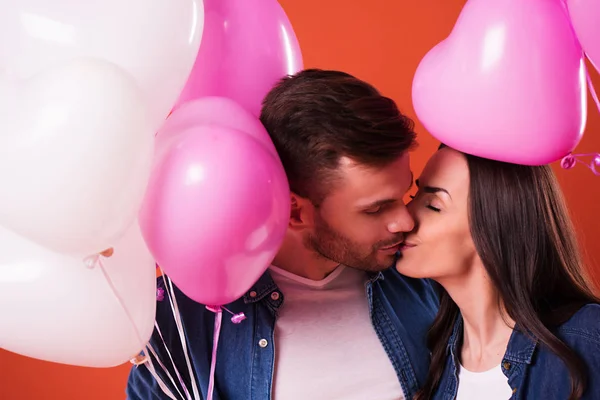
(329,319)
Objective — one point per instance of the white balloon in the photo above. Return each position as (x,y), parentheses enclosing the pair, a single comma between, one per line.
(155,41)
(75,155)
(54,308)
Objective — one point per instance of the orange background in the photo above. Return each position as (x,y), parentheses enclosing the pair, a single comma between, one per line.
(381,41)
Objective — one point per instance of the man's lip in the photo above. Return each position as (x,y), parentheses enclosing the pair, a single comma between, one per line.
(391,247)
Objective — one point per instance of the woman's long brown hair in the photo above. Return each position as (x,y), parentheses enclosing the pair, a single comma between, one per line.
(525,239)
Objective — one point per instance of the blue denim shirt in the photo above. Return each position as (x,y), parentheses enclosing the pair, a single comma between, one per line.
(533,371)
(401,310)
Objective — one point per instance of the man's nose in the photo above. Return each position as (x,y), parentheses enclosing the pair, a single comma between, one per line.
(402,222)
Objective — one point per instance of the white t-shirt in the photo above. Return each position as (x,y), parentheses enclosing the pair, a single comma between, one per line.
(325,345)
(488,385)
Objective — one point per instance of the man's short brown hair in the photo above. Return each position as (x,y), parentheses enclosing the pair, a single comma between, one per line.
(315,117)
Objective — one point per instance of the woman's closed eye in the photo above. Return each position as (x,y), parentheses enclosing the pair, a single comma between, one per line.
(432,208)
(428,205)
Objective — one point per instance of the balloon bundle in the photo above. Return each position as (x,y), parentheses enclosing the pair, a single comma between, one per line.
(129,135)
(509,82)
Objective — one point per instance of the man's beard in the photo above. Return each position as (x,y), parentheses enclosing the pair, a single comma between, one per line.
(333,245)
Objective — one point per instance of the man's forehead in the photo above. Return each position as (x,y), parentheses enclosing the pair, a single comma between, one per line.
(348,164)
(354,170)
(358,181)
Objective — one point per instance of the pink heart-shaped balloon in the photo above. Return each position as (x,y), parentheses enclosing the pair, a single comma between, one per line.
(247,46)
(507,84)
(585,15)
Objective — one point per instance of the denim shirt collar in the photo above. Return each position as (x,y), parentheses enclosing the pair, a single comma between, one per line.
(375,276)
(262,288)
(456,335)
(520,349)
(521,346)
(265,285)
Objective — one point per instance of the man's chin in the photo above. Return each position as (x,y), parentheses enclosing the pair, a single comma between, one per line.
(381,263)
(387,262)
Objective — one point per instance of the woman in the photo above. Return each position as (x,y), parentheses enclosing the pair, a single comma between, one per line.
(517,317)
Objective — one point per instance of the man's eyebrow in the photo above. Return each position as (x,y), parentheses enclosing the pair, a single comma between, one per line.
(383,202)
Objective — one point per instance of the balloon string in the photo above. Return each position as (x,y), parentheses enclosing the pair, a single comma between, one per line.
(179,325)
(161,383)
(141,341)
(96,261)
(165,370)
(236,319)
(187,393)
(591,87)
(213,362)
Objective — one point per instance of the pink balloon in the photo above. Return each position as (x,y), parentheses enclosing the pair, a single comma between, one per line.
(507,84)
(246,47)
(215,212)
(585,15)
(218,111)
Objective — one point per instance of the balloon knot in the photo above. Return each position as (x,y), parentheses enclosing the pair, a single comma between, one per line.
(570,160)
(139,359)
(236,318)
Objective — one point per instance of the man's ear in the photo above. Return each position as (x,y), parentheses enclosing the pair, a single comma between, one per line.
(302,212)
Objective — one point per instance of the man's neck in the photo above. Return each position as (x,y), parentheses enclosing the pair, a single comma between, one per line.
(295,258)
